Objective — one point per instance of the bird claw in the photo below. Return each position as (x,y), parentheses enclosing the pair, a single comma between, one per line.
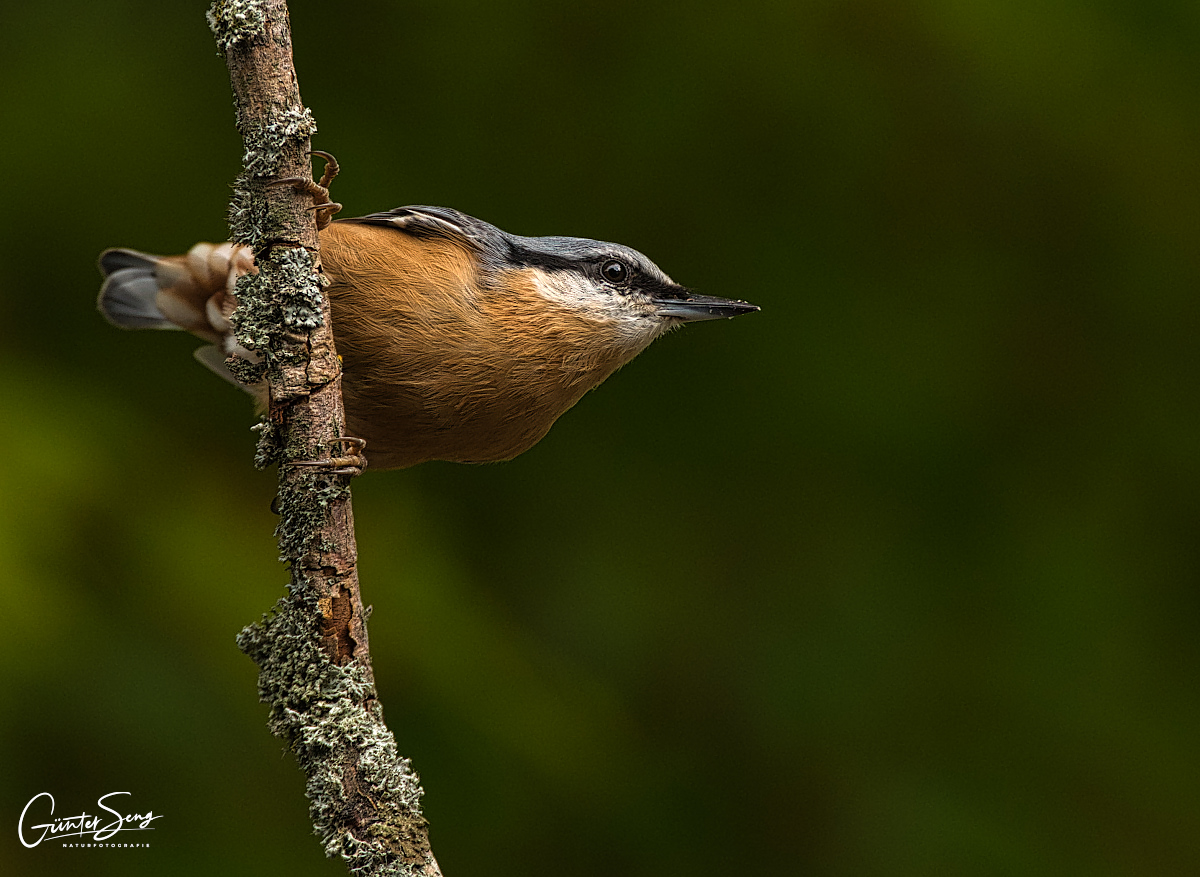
(351,463)
(331,167)
(319,191)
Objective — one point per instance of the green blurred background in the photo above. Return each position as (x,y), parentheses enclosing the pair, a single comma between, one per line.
(897,577)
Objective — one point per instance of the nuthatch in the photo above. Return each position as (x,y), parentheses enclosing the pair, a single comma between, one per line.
(459,341)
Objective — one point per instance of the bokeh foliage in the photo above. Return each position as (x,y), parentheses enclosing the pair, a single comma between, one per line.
(897,577)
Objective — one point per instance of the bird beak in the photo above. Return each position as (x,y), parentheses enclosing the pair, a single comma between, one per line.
(689,308)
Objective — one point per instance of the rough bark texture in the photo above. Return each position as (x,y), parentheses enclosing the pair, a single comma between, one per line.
(312,652)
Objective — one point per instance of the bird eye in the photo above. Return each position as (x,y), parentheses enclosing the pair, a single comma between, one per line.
(614,271)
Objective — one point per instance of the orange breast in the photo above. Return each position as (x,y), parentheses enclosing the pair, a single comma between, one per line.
(442,363)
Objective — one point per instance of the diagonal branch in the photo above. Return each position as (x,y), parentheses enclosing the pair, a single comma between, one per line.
(312,650)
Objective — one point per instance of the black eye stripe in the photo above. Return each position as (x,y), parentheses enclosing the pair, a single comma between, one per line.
(637,278)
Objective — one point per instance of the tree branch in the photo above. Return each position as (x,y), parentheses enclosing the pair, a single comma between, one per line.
(312,651)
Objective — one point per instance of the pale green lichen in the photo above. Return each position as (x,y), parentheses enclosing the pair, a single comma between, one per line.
(301,301)
(303,508)
(330,718)
(233,21)
(245,371)
(284,296)
(250,213)
(268,449)
(265,142)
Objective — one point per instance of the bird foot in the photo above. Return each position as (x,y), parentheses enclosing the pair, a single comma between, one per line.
(351,462)
(318,190)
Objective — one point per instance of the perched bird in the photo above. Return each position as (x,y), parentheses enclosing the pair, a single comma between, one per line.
(459,341)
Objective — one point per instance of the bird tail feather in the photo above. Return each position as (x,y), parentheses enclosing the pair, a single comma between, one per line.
(129,296)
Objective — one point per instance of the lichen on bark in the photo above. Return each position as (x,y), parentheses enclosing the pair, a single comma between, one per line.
(311,649)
